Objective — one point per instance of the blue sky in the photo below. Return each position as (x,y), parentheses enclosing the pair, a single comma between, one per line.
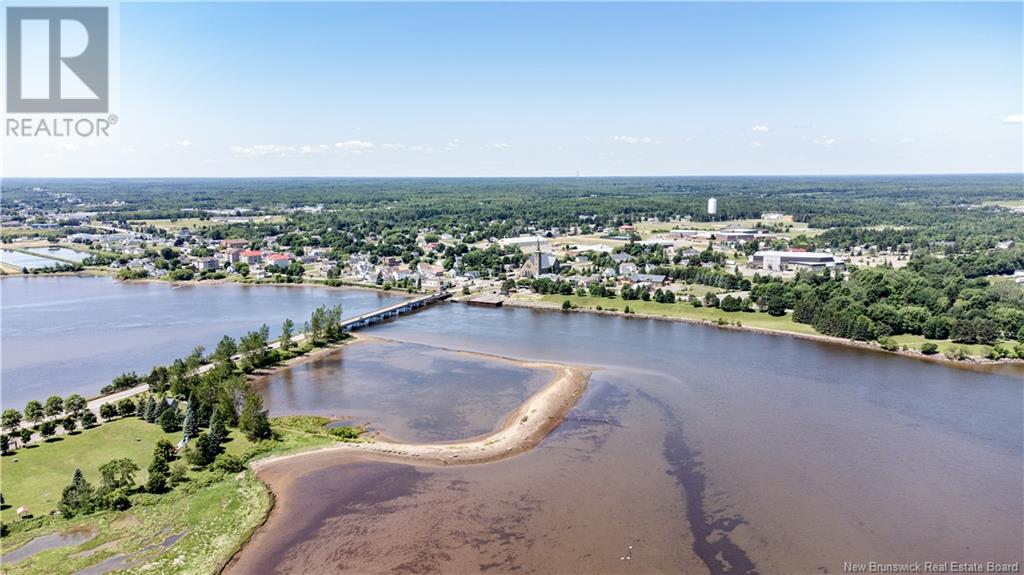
(484,89)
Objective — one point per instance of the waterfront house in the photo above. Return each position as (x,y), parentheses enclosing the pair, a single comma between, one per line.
(279,260)
(251,257)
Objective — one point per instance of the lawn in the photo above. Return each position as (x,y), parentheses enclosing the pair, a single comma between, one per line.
(176,224)
(976,350)
(685,310)
(36,476)
(215,511)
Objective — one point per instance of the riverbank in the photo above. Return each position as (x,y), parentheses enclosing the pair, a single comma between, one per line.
(805,333)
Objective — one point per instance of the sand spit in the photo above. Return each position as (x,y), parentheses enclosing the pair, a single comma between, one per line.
(521,430)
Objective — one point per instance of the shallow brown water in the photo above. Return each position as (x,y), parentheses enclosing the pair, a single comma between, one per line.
(706,450)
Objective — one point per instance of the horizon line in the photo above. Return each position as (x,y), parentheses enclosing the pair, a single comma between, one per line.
(520,177)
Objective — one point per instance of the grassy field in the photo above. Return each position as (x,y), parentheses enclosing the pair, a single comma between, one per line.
(685,310)
(216,518)
(176,224)
(216,512)
(976,350)
(1005,203)
(649,229)
(36,476)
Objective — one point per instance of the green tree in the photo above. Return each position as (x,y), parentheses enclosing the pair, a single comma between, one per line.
(77,497)
(203,451)
(47,429)
(191,424)
(253,421)
(108,411)
(149,413)
(117,474)
(218,431)
(75,405)
(10,420)
(169,421)
(54,406)
(226,349)
(69,424)
(34,411)
(287,332)
(88,419)
(126,407)
(25,435)
(159,467)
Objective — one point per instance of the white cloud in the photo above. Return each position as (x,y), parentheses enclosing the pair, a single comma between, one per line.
(69,147)
(404,148)
(1014,119)
(262,150)
(183,143)
(128,150)
(452,144)
(826,141)
(354,145)
(907,141)
(760,128)
(756,145)
(311,149)
(499,145)
(635,140)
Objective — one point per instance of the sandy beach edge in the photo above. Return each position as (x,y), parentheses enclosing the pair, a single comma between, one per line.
(519,431)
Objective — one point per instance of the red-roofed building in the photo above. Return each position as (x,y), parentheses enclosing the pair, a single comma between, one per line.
(280,260)
(251,256)
(234,244)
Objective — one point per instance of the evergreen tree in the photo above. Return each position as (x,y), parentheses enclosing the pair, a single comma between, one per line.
(159,468)
(218,431)
(77,497)
(191,425)
(169,421)
(203,452)
(254,421)
(149,412)
(287,329)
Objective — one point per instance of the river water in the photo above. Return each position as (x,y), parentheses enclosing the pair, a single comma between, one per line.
(68,334)
(694,449)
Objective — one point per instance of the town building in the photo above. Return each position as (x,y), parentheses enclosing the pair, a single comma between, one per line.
(250,257)
(782,261)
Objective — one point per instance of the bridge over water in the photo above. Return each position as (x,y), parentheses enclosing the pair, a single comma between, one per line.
(393,310)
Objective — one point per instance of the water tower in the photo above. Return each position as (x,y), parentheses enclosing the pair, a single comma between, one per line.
(712,206)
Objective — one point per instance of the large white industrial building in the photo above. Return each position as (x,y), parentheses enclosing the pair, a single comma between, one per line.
(781,261)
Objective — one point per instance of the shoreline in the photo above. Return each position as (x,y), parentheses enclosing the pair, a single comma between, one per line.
(972,364)
(519,431)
